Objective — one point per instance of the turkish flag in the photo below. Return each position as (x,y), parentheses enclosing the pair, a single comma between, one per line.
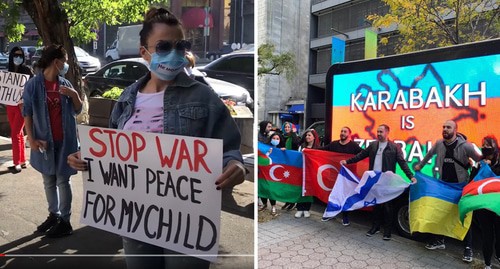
(321,169)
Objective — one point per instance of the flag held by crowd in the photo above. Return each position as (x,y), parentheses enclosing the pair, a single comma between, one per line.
(321,169)
(434,207)
(280,175)
(350,193)
(482,193)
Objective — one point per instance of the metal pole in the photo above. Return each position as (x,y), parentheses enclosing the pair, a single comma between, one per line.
(242,21)
(104,39)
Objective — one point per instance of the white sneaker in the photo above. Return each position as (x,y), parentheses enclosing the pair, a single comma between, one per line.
(307,214)
(299,214)
(487,267)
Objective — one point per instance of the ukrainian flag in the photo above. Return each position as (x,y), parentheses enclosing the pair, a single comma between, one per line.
(434,207)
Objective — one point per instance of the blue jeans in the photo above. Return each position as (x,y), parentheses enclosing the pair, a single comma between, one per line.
(58,194)
(134,247)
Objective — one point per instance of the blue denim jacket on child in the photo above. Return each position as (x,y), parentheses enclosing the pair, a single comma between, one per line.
(35,105)
(191,109)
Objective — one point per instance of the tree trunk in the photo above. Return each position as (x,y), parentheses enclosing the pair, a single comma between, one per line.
(53,26)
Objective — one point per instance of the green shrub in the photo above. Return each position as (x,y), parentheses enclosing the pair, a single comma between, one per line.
(113,93)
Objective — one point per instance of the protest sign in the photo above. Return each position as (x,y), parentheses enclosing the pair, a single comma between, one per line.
(155,188)
(11,87)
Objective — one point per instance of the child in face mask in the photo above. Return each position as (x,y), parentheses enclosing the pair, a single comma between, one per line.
(276,141)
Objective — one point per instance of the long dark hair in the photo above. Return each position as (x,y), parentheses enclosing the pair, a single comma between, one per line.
(262,126)
(22,68)
(49,54)
(316,142)
(282,140)
(158,15)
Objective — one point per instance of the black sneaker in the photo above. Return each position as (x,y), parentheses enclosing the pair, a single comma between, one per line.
(62,228)
(387,236)
(438,244)
(372,231)
(327,218)
(345,221)
(467,255)
(48,223)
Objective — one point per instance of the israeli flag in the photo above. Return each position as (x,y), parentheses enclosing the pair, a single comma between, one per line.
(350,193)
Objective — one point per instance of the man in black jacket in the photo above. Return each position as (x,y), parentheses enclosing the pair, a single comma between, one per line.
(384,155)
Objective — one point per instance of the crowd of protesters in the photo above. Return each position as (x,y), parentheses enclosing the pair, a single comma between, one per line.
(453,164)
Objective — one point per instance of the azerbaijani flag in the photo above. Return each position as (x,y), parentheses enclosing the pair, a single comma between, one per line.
(280,176)
(321,169)
(434,207)
(483,192)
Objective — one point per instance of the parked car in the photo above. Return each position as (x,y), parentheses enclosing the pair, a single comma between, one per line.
(236,67)
(4,61)
(86,62)
(29,51)
(124,72)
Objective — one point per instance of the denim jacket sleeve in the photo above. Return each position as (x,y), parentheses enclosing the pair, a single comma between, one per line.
(190,109)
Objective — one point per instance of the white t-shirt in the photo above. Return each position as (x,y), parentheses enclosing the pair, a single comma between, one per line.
(148,113)
(377,165)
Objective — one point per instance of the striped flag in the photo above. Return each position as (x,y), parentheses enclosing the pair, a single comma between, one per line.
(434,207)
(280,177)
(350,193)
(483,192)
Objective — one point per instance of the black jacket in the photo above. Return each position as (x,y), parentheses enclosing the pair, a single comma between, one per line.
(392,154)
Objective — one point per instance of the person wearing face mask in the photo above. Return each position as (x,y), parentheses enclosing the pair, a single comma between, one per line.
(185,107)
(276,141)
(16,120)
(50,108)
(489,221)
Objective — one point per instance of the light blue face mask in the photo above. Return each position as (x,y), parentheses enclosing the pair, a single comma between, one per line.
(18,60)
(275,142)
(167,66)
(65,69)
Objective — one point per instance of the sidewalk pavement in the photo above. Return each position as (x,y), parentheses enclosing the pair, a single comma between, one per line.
(23,207)
(287,242)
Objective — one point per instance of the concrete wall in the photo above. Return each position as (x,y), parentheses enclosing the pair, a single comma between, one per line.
(284,23)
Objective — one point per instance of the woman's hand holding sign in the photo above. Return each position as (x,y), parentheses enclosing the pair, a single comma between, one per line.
(232,175)
(75,161)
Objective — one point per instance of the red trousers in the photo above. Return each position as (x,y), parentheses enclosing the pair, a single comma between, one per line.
(16,121)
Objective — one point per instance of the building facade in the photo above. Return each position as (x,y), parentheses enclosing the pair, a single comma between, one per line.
(285,24)
(345,20)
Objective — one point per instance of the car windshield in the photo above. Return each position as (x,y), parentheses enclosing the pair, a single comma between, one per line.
(80,52)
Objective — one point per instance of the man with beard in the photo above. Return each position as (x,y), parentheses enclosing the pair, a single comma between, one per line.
(384,155)
(452,165)
(344,145)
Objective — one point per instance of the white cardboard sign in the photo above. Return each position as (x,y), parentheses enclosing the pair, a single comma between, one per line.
(11,87)
(155,188)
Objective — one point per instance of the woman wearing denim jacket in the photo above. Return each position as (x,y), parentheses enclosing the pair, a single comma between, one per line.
(50,107)
(168,101)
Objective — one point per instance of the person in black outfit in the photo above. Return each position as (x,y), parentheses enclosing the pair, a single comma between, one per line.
(265,127)
(344,145)
(384,155)
(489,221)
